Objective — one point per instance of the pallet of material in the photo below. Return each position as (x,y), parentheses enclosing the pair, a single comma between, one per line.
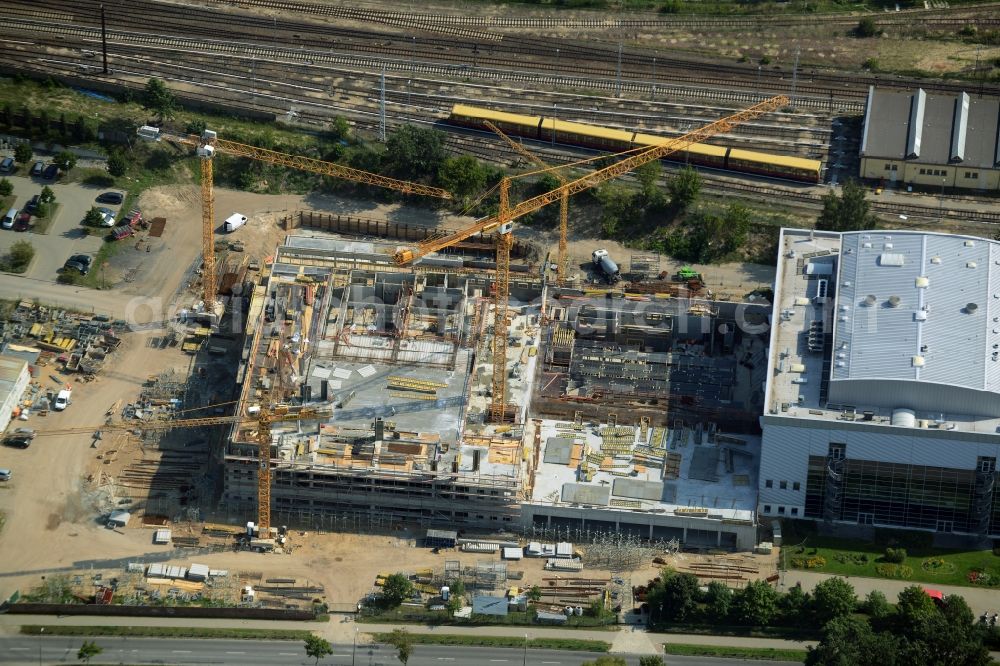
(409,395)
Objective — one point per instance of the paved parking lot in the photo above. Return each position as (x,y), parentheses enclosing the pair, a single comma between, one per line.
(66,235)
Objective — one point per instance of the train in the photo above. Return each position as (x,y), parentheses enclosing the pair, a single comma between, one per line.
(616,141)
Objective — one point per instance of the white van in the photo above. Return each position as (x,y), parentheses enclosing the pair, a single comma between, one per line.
(8,219)
(62,400)
(5,474)
(234,222)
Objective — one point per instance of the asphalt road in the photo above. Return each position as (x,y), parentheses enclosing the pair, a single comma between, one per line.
(62,650)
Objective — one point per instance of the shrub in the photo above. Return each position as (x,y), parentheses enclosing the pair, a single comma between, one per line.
(6,187)
(893,571)
(813,562)
(19,256)
(894,555)
(867,28)
(23,152)
(117,164)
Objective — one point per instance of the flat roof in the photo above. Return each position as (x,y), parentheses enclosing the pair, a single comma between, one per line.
(918,306)
(665,471)
(956,387)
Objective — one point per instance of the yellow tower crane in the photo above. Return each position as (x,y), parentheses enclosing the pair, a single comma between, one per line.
(502,225)
(561,275)
(263,420)
(208,144)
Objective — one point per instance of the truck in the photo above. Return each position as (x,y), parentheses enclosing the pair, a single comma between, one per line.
(234,222)
(62,399)
(606,265)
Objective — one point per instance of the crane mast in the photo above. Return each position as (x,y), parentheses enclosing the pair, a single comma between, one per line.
(502,223)
(563,261)
(206,146)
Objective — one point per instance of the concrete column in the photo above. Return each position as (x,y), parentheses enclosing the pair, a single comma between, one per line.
(685,537)
(650,531)
(718,538)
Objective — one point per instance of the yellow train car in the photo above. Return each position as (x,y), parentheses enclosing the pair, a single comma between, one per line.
(615,140)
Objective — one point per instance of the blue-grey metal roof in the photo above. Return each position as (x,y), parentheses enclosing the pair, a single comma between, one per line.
(932,129)
(487,605)
(918,306)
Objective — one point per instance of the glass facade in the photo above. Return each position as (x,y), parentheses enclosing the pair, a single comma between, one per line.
(883,493)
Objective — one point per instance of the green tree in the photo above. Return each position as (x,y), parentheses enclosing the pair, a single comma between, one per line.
(950,637)
(21,254)
(618,208)
(158,99)
(414,152)
(23,152)
(339,129)
(317,648)
(794,606)
(117,164)
(403,642)
(65,160)
(676,599)
(47,195)
(396,590)
(196,127)
(849,641)
(463,176)
(877,607)
(683,188)
(6,187)
(651,660)
(88,651)
(648,176)
(718,601)
(848,212)
(737,219)
(93,218)
(755,604)
(833,598)
(914,607)
(535,593)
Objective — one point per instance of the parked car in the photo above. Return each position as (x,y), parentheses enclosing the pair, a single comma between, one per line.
(23,222)
(32,204)
(81,268)
(50,173)
(7,164)
(5,474)
(114,198)
(84,259)
(25,432)
(8,220)
(37,168)
(17,441)
(107,219)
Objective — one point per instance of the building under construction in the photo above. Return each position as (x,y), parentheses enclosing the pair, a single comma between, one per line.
(620,402)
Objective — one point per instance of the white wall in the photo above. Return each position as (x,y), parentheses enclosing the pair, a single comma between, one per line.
(13,396)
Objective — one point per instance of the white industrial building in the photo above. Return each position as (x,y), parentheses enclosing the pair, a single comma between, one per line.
(883,391)
(14,378)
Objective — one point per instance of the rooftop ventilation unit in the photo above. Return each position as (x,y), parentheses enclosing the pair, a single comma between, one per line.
(935,260)
(971,308)
(918,361)
(891,259)
(969,243)
(970,264)
(894,301)
(921,282)
(870,299)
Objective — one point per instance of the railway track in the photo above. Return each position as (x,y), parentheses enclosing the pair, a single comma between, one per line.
(591,60)
(923,18)
(377,63)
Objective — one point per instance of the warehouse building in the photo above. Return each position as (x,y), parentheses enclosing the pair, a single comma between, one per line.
(883,391)
(14,378)
(931,140)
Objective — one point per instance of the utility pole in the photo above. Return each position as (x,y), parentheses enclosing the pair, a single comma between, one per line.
(653,96)
(104,40)
(381,107)
(618,73)
(795,75)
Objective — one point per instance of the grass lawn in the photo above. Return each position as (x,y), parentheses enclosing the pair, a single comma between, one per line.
(924,564)
(506,641)
(172,632)
(734,652)
(42,224)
